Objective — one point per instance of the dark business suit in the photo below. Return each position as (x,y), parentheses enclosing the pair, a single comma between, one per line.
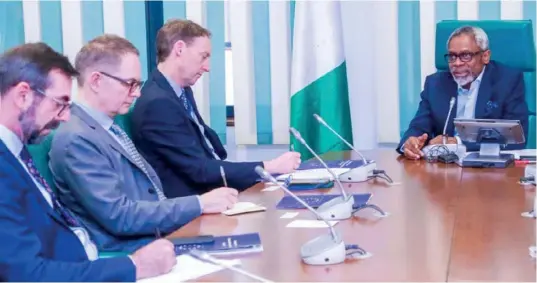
(36,243)
(500,96)
(172,143)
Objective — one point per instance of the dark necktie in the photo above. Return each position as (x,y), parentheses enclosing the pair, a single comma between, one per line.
(66,215)
(186,103)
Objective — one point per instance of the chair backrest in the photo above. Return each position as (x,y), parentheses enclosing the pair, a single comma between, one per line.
(511,42)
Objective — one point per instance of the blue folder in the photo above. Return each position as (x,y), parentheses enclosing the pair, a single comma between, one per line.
(288,202)
(223,245)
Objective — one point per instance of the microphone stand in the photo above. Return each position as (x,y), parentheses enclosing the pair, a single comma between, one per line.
(324,249)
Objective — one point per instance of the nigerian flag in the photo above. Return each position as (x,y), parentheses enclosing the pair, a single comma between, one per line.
(319,77)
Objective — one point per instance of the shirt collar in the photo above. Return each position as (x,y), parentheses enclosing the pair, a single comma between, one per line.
(11,140)
(474,84)
(177,88)
(101,118)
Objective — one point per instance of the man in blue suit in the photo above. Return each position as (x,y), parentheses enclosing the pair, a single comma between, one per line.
(483,88)
(168,129)
(40,239)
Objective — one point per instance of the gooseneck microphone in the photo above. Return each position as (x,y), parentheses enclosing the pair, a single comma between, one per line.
(339,207)
(451,104)
(323,122)
(303,142)
(203,256)
(269,178)
(322,250)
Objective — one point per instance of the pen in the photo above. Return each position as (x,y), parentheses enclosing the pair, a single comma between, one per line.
(223,176)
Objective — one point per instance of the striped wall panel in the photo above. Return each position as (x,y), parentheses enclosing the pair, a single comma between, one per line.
(385,76)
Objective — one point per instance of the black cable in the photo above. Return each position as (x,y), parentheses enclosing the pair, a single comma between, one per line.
(354,249)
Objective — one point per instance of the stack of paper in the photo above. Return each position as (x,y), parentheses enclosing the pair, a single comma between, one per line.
(188,268)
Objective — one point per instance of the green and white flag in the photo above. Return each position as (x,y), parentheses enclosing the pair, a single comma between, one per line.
(319,77)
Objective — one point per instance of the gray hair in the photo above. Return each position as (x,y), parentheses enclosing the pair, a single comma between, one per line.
(31,63)
(480,36)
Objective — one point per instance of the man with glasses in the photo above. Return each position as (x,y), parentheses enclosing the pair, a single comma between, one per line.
(99,173)
(483,88)
(41,239)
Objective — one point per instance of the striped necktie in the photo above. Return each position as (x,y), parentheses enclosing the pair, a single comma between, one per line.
(56,205)
(138,159)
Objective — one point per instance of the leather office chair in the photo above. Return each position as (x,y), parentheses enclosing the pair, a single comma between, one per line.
(511,42)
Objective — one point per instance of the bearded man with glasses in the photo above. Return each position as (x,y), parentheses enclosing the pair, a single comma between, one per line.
(483,89)
(99,173)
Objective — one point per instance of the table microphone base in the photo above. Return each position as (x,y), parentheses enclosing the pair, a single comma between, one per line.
(359,174)
(323,250)
(337,208)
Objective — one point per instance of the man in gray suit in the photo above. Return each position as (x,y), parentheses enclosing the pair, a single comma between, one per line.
(100,175)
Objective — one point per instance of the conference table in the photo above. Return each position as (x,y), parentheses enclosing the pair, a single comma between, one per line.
(445,223)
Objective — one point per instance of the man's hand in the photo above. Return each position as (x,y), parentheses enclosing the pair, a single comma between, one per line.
(218,200)
(285,163)
(155,259)
(413,146)
(439,140)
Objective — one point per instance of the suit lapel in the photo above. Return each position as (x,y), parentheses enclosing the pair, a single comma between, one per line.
(485,92)
(164,84)
(12,160)
(101,132)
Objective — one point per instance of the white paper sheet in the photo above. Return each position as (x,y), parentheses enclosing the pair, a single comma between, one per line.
(188,268)
(289,215)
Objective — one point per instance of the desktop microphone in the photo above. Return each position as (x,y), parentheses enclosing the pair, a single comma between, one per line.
(325,249)
(451,104)
(336,208)
(203,256)
(323,122)
(358,174)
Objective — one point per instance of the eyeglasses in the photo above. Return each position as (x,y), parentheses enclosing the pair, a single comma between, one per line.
(464,56)
(132,84)
(62,104)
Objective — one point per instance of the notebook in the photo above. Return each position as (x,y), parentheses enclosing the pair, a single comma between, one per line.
(288,202)
(223,245)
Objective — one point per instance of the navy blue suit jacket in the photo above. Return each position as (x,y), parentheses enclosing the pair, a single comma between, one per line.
(36,243)
(172,143)
(501,96)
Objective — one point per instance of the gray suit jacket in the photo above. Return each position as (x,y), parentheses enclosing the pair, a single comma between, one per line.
(100,183)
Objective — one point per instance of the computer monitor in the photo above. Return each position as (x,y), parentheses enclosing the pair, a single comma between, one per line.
(491,135)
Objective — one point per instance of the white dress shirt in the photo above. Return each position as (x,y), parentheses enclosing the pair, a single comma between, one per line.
(15,145)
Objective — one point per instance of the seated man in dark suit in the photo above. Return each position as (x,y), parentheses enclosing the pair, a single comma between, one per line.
(100,175)
(168,129)
(40,238)
(483,88)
